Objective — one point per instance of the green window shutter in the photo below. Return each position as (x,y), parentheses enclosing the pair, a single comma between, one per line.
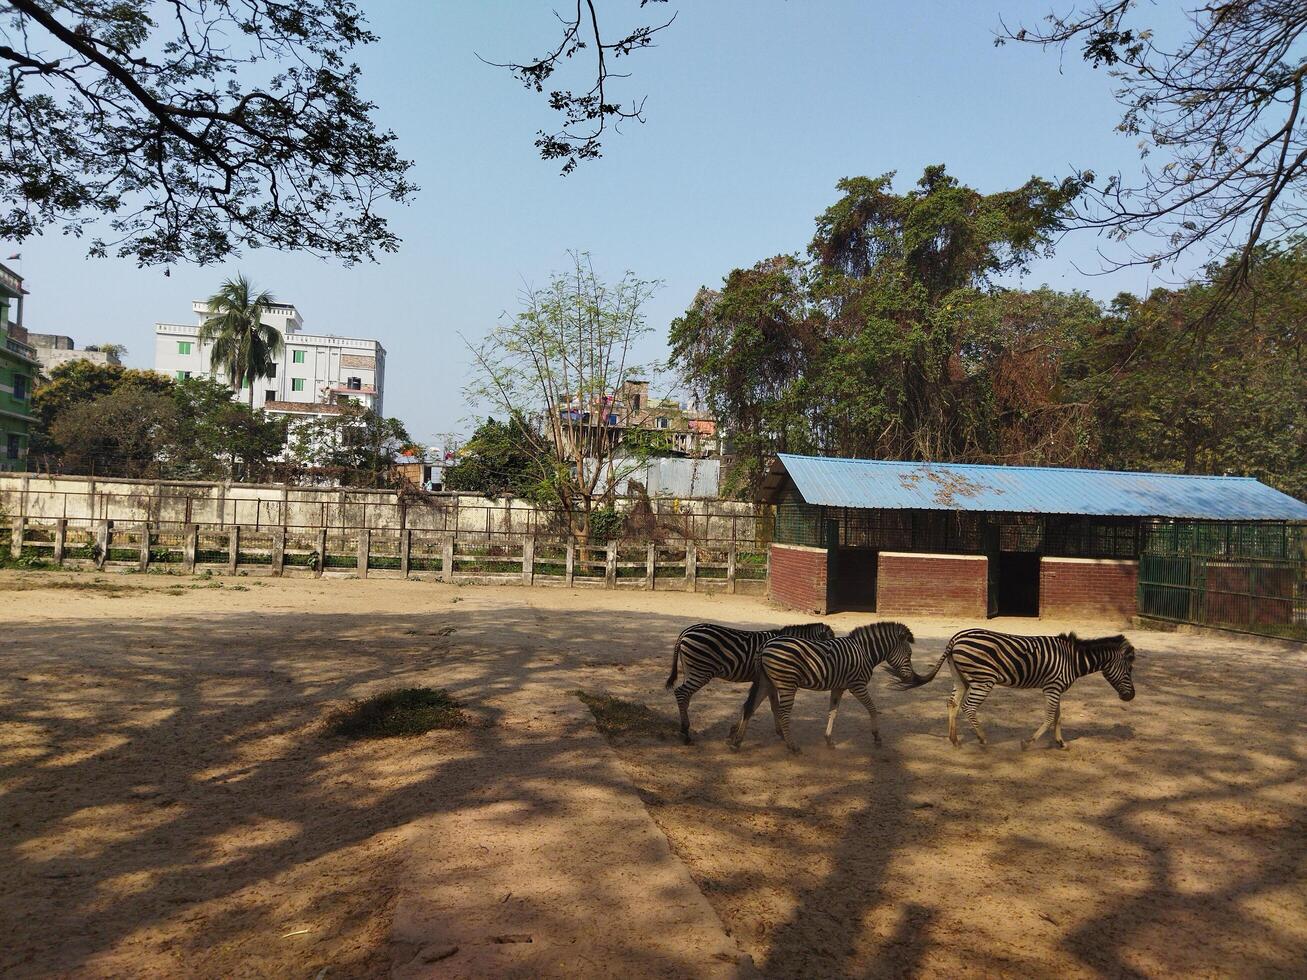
(183,347)
(297,357)
(296,384)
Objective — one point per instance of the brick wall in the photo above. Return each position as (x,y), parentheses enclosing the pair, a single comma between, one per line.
(1100,587)
(798,577)
(931,585)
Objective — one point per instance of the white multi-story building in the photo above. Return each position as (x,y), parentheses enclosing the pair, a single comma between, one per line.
(314,369)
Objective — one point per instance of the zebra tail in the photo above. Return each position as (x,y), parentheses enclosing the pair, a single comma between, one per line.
(919,679)
(676,658)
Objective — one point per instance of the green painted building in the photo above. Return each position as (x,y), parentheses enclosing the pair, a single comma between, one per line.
(18,369)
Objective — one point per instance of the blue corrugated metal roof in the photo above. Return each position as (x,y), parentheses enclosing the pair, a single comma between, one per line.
(1035,490)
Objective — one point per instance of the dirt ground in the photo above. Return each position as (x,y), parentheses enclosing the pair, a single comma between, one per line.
(170,805)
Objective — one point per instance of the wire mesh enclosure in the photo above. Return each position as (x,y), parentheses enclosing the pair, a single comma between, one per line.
(1244,576)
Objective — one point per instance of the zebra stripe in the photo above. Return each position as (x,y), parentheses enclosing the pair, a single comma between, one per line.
(706,650)
(980,659)
(789,663)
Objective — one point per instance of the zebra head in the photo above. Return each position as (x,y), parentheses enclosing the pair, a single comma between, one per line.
(1119,669)
(808,631)
(890,643)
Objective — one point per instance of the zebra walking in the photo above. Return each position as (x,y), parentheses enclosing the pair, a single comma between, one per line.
(706,650)
(981,658)
(835,665)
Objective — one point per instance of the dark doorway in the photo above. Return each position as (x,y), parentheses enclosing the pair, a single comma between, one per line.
(853,580)
(1015,578)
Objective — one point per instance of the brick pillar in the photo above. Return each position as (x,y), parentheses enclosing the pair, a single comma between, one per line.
(798,577)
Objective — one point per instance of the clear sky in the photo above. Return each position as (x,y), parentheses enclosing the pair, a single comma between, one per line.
(755,109)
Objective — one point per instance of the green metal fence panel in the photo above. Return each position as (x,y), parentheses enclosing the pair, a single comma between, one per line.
(1249,577)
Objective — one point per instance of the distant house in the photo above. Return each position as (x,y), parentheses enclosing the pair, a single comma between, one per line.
(54,349)
(425,469)
(18,368)
(608,422)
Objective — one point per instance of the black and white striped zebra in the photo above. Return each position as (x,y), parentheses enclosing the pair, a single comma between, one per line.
(981,658)
(836,665)
(707,650)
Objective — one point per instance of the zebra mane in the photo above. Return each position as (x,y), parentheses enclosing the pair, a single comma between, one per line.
(1096,644)
(890,630)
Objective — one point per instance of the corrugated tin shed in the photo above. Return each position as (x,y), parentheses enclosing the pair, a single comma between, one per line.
(884,484)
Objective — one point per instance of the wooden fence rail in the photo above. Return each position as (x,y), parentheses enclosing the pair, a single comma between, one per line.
(505,558)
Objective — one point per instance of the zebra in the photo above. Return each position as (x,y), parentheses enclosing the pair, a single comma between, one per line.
(707,650)
(981,658)
(835,665)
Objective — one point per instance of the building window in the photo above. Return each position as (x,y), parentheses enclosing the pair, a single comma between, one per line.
(272,370)
(354,384)
(662,422)
(183,375)
(20,387)
(297,357)
(296,384)
(11,446)
(270,395)
(612,419)
(183,347)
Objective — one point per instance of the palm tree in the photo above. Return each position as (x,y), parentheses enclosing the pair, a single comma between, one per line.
(243,346)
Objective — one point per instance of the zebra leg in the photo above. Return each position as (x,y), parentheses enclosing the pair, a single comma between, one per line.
(775,708)
(689,687)
(976,693)
(736,735)
(1057,726)
(1051,698)
(785,697)
(954,700)
(863,695)
(835,694)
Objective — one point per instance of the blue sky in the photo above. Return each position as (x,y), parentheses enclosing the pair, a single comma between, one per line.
(755,109)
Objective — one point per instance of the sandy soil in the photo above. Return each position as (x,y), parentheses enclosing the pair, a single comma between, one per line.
(170,806)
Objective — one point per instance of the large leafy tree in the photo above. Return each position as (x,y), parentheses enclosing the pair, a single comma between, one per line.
(216,438)
(353,445)
(122,433)
(1228,396)
(75,383)
(893,339)
(242,346)
(176,130)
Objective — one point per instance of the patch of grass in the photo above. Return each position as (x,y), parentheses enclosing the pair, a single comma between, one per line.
(615,716)
(95,585)
(401,713)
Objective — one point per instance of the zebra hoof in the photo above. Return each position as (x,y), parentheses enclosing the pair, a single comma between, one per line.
(1025,743)
(795,749)
(875,740)
(686,739)
(1062,745)
(830,742)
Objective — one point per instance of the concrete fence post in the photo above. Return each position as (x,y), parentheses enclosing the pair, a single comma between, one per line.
(322,553)
(278,551)
(16,537)
(691,566)
(610,566)
(365,545)
(447,561)
(102,539)
(144,562)
(405,550)
(569,573)
(190,546)
(651,556)
(60,539)
(233,547)
(730,567)
(528,560)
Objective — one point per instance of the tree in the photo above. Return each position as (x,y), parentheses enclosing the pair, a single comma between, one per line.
(561,364)
(75,383)
(216,438)
(353,444)
(892,340)
(114,352)
(1228,396)
(585,116)
(193,129)
(243,346)
(498,460)
(122,433)
(1223,106)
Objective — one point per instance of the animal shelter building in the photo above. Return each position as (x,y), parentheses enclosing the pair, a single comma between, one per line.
(972,541)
